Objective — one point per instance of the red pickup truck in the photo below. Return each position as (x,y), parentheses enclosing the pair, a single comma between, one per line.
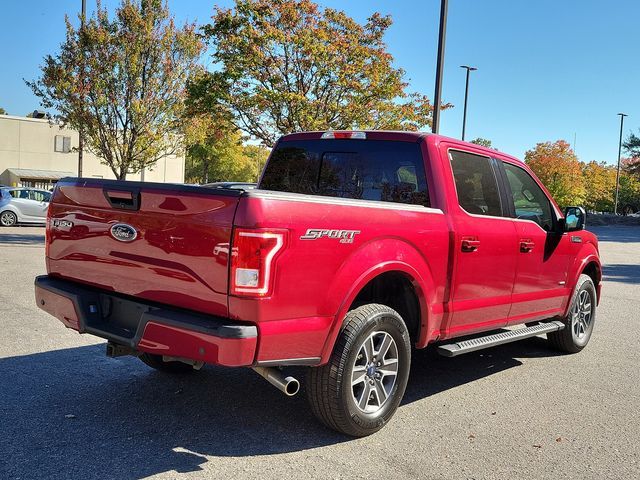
(354,248)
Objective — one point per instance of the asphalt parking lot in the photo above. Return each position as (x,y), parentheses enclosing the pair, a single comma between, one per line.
(516,411)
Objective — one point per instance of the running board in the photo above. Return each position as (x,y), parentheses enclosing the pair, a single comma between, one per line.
(466,346)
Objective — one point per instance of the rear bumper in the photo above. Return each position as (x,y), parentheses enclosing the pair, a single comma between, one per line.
(147,327)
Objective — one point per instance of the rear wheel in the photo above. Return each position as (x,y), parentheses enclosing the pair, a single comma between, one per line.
(580,320)
(359,389)
(156,361)
(8,218)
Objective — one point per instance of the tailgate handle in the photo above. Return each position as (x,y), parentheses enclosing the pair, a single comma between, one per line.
(124,199)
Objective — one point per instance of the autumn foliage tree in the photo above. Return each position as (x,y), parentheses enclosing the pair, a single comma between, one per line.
(288,65)
(122,82)
(557,166)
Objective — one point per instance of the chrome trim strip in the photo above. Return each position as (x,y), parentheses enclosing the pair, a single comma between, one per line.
(297,197)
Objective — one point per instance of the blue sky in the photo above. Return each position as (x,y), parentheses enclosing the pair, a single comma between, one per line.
(548,69)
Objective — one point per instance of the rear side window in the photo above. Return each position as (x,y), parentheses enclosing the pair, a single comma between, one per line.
(39,196)
(19,193)
(476,184)
(529,200)
(359,169)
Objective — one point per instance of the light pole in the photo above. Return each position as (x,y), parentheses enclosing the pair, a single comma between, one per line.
(466,96)
(615,204)
(437,100)
(80,139)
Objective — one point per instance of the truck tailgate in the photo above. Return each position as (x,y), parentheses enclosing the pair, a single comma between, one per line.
(163,243)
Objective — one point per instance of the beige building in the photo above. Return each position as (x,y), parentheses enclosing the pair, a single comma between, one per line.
(37,153)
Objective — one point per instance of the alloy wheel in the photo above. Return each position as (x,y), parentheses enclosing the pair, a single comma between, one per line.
(374,372)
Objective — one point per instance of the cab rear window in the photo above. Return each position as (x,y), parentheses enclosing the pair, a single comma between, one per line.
(358,169)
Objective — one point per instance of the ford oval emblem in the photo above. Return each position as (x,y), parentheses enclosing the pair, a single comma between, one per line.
(123,232)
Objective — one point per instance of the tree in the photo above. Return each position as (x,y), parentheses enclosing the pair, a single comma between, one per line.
(632,147)
(557,166)
(122,81)
(2,111)
(629,192)
(221,156)
(482,141)
(287,65)
(257,156)
(600,180)
(631,165)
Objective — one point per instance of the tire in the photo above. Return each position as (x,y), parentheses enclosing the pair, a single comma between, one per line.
(8,218)
(360,409)
(156,362)
(580,320)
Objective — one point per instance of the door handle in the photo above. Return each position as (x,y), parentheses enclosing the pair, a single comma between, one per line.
(470,244)
(526,246)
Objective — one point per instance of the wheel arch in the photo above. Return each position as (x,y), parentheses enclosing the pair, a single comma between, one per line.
(588,263)
(355,285)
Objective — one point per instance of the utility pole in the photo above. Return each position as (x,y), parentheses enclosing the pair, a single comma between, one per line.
(615,203)
(437,100)
(466,96)
(80,139)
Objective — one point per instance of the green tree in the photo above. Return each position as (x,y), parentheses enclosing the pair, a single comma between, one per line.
(121,81)
(632,147)
(557,166)
(600,182)
(2,111)
(257,156)
(629,190)
(288,65)
(482,141)
(221,156)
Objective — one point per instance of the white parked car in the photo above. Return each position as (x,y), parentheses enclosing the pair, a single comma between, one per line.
(23,205)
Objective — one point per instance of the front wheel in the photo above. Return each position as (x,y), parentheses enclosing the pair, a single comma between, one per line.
(359,389)
(580,320)
(8,219)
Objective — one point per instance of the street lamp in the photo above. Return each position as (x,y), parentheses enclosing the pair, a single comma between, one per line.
(466,96)
(435,123)
(615,204)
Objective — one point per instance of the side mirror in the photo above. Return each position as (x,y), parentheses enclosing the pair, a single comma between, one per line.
(574,218)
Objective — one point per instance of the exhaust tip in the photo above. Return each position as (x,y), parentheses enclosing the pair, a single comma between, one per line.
(292,386)
(287,385)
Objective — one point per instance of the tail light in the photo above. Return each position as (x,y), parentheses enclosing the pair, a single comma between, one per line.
(47,233)
(252,260)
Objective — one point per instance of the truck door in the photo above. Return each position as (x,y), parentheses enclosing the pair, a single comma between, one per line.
(485,253)
(543,253)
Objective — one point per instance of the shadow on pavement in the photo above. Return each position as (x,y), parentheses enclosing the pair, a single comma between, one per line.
(20,239)
(619,233)
(623,273)
(74,413)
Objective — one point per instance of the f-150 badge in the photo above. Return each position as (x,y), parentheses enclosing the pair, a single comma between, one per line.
(345,236)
